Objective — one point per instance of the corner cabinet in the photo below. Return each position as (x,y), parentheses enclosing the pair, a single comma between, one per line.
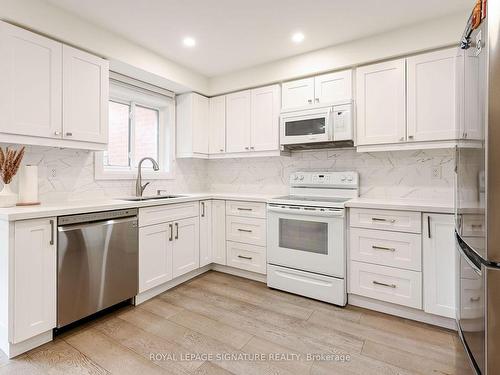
(217,126)
(192,126)
(51,94)
(439,262)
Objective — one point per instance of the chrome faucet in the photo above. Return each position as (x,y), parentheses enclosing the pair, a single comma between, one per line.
(139,187)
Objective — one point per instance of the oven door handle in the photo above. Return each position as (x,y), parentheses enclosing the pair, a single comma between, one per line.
(302,211)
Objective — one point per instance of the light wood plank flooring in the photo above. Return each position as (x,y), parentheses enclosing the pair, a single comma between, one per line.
(218,313)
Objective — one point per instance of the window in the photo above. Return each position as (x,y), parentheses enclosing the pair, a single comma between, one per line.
(140,125)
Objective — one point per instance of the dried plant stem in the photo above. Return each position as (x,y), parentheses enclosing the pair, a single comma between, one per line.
(10,161)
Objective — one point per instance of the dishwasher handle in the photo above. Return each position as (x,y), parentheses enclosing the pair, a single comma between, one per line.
(69,227)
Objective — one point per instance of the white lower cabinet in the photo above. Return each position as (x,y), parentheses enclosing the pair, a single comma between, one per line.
(219,232)
(206,249)
(247,257)
(34,278)
(155,255)
(186,246)
(402,287)
(439,261)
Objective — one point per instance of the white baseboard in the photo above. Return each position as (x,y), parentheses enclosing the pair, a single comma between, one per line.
(238,272)
(144,296)
(401,311)
(13,350)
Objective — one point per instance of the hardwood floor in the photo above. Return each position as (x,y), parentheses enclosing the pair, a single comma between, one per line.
(248,323)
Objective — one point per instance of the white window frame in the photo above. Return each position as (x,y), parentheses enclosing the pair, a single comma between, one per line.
(166,136)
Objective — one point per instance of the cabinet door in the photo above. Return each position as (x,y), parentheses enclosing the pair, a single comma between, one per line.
(34,279)
(205,233)
(265,118)
(219,231)
(381,103)
(431,96)
(155,255)
(200,124)
(85,96)
(217,118)
(297,94)
(439,264)
(31,83)
(333,87)
(238,109)
(186,246)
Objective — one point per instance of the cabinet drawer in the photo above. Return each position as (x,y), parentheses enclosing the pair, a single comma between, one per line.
(166,213)
(401,221)
(473,226)
(247,257)
(388,284)
(248,209)
(246,229)
(402,250)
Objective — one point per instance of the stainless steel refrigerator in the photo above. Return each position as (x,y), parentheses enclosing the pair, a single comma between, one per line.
(478,187)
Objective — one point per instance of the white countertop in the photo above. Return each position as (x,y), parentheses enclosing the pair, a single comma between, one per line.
(76,207)
(401,204)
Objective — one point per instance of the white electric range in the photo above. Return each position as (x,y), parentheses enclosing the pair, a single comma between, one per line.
(306,245)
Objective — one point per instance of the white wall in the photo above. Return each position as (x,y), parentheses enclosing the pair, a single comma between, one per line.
(125,56)
(425,36)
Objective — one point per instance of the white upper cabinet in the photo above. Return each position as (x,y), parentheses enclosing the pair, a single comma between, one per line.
(34,278)
(51,94)
(381,103)
(439,261)
(31,83)
(432,96)
(265,118)
(217,119)
(192,125)
(324,89)
(85,96)
(298,93)
(333,87)
(238,121)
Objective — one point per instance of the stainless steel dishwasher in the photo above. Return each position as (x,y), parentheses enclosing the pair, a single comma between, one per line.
(97,262)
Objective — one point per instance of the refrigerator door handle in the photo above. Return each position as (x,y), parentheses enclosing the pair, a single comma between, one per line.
(469,261)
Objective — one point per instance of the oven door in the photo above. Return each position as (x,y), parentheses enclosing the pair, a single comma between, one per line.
(307,126)
(471,309)
(306,238)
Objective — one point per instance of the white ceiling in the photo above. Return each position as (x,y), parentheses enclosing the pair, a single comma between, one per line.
(236,34)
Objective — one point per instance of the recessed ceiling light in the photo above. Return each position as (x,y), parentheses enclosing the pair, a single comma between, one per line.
(189,42)
(298,37)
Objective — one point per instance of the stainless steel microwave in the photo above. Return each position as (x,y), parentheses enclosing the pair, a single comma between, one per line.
(318,125)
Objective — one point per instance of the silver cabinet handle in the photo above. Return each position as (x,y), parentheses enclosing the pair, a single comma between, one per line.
(252,148)
(384,284)
(476,299)
(176,231)
(245,230)
(244,257)
(309,101)
(317,100)
(410,137)
(383,248)
(171,227)
(384,220)
(57,132)
(221,150)
(51,242)
(247,148)
(202,209)
(69,134)
(474,226)
(244,209)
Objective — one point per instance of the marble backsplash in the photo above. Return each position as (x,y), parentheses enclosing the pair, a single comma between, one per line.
(394,175)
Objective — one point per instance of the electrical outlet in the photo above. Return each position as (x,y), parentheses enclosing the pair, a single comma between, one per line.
(436,172)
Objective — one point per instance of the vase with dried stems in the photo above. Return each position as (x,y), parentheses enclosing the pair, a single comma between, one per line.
(10,161)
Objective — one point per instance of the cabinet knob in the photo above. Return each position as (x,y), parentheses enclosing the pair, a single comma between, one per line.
(410,137)
(221,150)
(317,100)
(247,148)
(69,134)
(57,132)
(251,148)
(309,101)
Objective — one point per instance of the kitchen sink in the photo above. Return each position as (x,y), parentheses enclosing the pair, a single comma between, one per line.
(154,197)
